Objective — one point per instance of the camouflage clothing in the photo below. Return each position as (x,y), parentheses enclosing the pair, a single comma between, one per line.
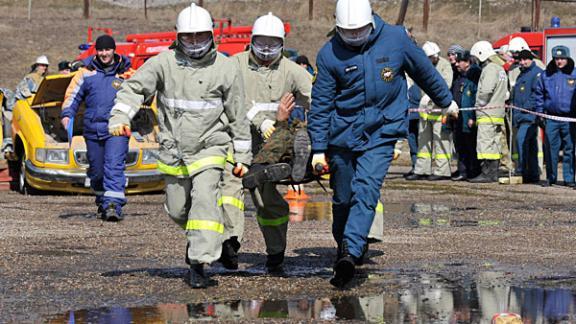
(279,147)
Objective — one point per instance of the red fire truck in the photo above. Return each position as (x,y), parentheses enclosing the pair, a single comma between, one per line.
(542,42)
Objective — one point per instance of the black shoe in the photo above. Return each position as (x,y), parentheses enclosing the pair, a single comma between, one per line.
(363,257)
(302,150)
(460,177)
(438,178)
(570,184)
(100,212)
(274,263)
(229,256)
(344,271)
(266,173)
(548,183)
(197,278)
(411,172)
(111,215)
(417,177)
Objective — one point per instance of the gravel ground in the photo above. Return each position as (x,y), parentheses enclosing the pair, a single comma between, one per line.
(57,256)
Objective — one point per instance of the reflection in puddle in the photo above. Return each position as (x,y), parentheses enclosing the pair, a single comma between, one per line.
(418,299)
(416,214)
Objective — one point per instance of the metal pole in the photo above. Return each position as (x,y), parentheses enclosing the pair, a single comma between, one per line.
(310,9)
(145,9)
(537,15)
(29,10)
(426,15)
(511,145)
(86,9)
(479,18)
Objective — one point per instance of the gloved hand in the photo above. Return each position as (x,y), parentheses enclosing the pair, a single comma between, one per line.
(453,109)
(267,128)
(120,130)
(541,122)
(239,170)
(320,164)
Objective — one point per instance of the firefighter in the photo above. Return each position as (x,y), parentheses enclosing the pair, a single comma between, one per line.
(97,85)
(523,122)
(434,135)
(200,111)
(554,95)
(358,112)
(492,92)
(272,80)
(29,85)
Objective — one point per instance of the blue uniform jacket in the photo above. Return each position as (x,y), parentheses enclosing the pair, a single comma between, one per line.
(523,94)
(359,99)
(97,88)
(554,92)
(414,97)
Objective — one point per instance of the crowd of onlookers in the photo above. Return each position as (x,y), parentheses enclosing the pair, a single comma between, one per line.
(483,82)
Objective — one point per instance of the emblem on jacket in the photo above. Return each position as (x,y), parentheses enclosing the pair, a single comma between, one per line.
(571,82)
(387,74)
(522,88)
(116,84)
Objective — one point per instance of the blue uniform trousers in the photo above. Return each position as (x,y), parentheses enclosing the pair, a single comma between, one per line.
(559,134)
(527,146)
(413,140)
(356,179)
(107,159)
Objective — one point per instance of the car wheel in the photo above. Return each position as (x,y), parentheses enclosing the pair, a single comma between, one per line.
(23,186)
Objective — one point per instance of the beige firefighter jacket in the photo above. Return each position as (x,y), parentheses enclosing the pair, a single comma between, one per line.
(445,69)
(265,85)
(492,92)
(200,110)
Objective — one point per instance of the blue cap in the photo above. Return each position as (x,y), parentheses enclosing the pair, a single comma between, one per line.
(555,22)
(560,51)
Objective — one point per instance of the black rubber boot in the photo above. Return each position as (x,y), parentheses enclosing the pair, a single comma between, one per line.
(260,174)
(344,269)
(274,263)
(229,256)
(302,150)
(360,261)
(111,215)
(488,174)
(197,278)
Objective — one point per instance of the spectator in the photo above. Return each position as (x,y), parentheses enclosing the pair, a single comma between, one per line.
(29,85)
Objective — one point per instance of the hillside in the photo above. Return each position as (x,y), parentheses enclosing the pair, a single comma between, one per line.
(57,26)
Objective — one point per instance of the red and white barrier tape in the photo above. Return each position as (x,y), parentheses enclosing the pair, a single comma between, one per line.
(556,118)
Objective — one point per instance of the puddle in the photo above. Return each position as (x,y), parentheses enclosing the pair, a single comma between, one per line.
(413,215)
(416,298)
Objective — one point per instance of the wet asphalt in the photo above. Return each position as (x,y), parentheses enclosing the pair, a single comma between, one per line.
(59,262)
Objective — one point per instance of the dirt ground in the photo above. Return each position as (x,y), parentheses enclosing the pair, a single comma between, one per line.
(56,256)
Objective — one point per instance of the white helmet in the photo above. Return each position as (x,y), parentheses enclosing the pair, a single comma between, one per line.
(482,50)
(431,49)
(194,19)
(268,25)
(353,14)
(504,49)
(42,59)
(518,44)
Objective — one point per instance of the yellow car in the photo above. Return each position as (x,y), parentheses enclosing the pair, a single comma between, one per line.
(45,159)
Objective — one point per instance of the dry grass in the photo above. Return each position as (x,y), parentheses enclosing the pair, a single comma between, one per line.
(57,27)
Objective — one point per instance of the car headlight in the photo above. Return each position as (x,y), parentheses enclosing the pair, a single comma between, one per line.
(59,156)
(40,155)
(149,156)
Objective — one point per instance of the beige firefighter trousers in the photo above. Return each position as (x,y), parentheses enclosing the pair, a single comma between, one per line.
(193,203)
(488,144)
(434,149)
(232,202)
